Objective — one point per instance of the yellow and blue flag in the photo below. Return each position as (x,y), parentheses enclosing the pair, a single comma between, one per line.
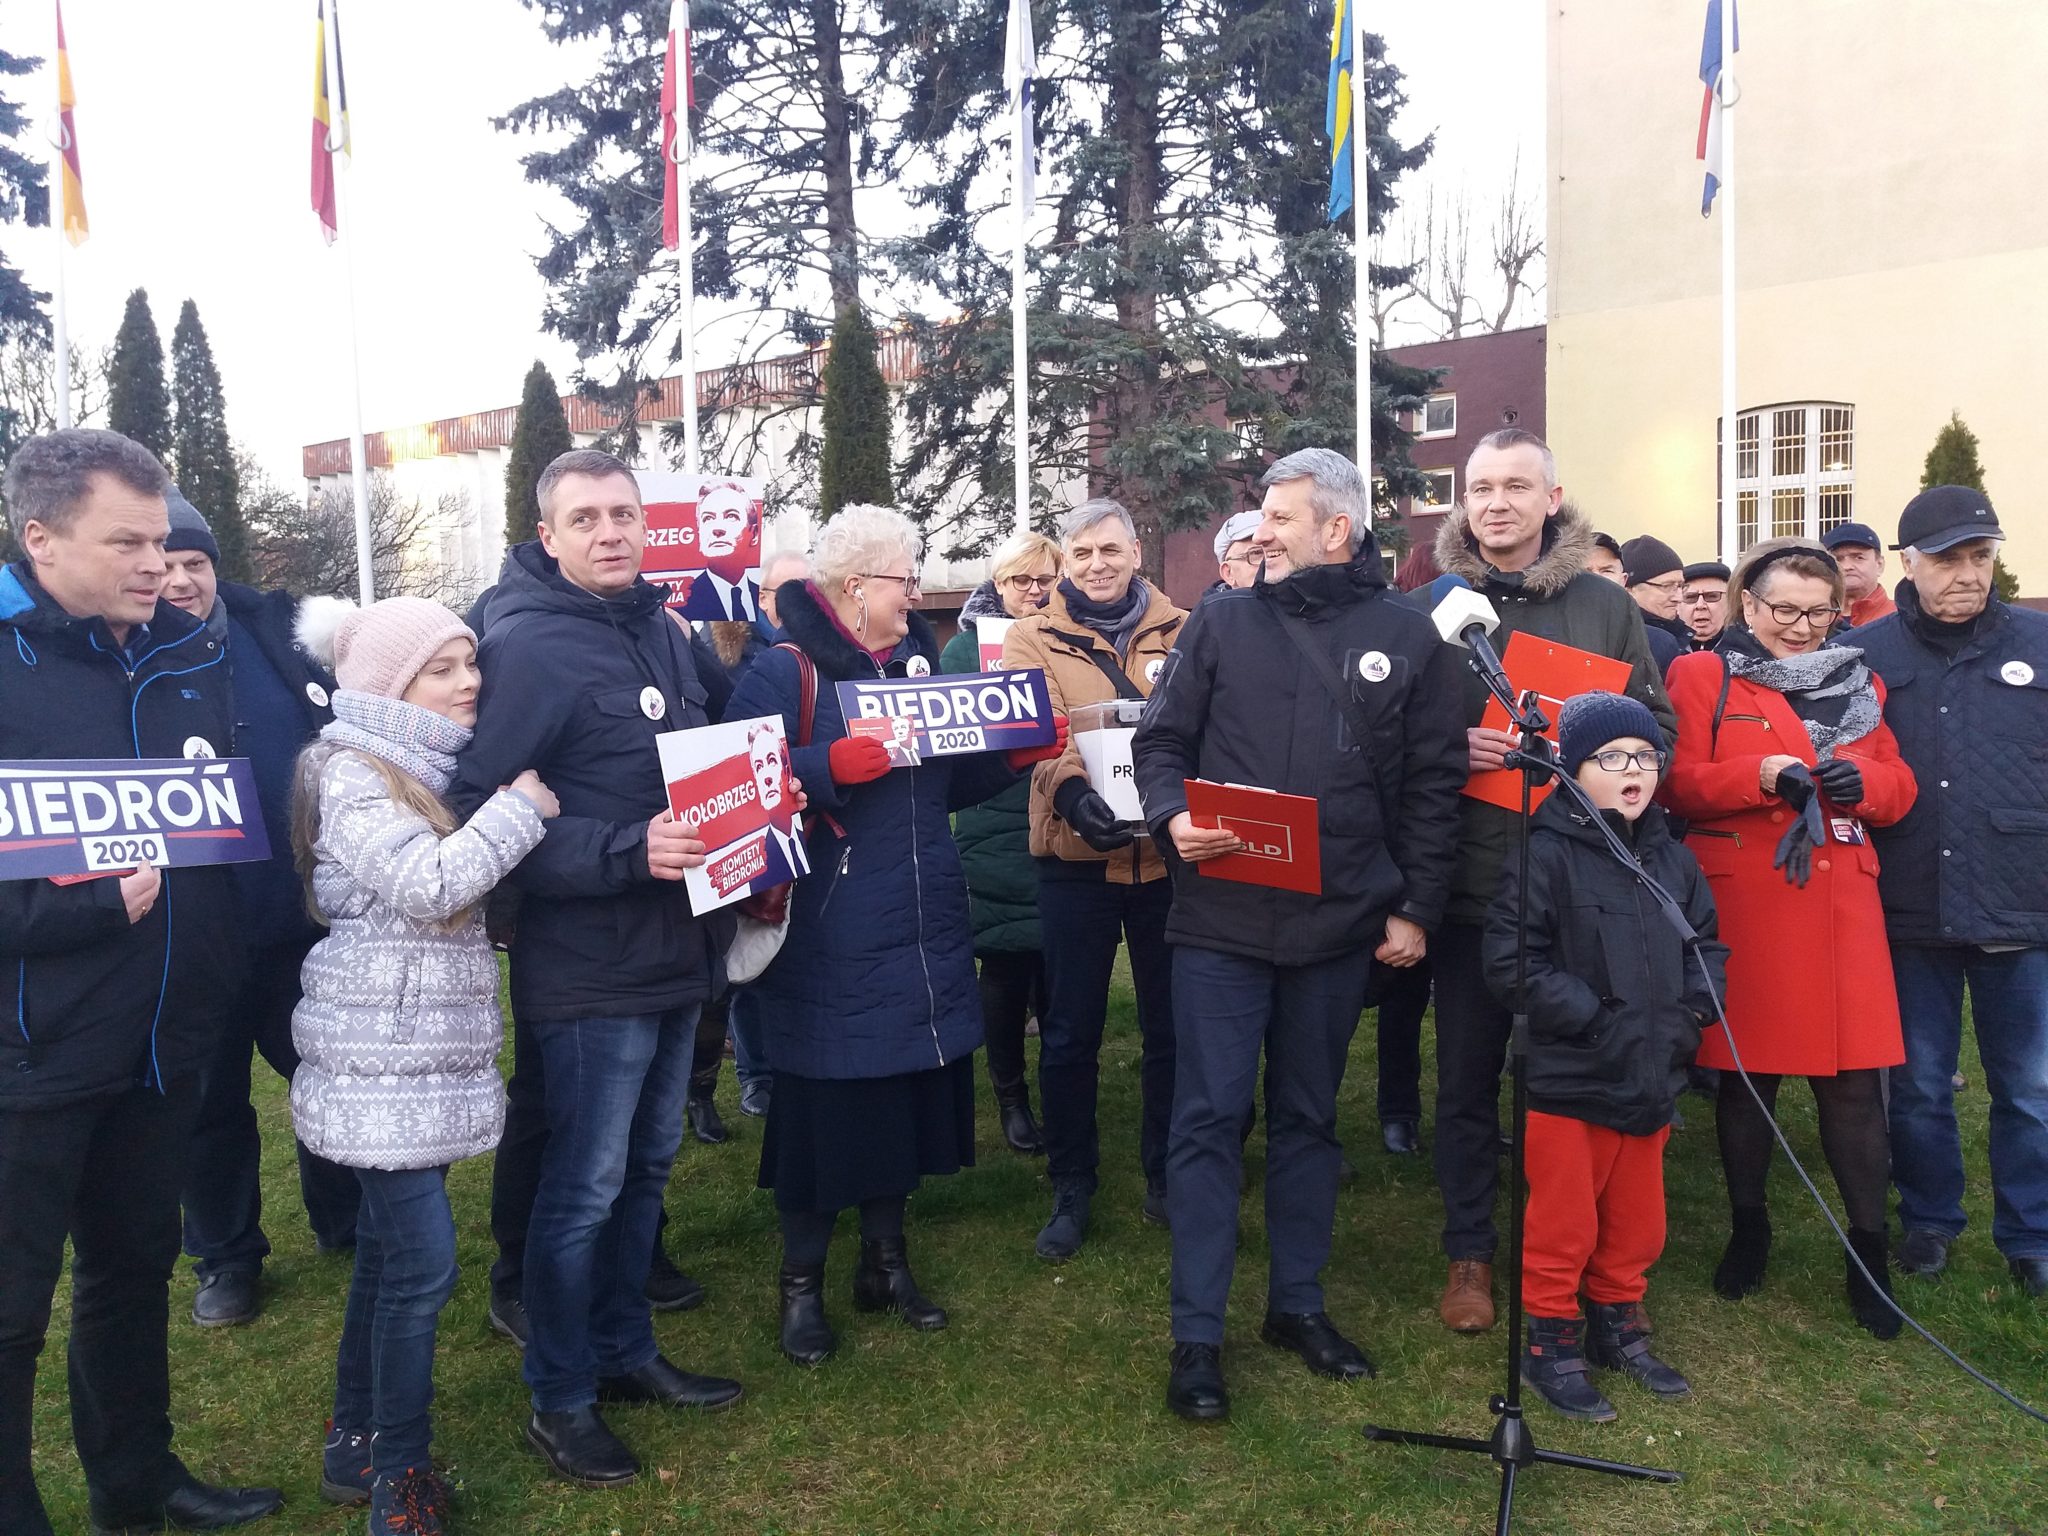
(1337,118)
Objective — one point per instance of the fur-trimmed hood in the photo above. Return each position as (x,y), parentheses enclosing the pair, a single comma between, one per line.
(806,621)
(1567,546)
(984,602)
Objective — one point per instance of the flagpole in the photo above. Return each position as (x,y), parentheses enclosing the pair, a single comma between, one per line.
(359,479)
(1730,532)
(1020,354)
(60,315)
(1361,215)
(686,280)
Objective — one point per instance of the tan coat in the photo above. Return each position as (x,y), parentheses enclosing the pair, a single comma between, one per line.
(1055,641)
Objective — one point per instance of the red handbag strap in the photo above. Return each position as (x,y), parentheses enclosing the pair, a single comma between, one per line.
(807,712)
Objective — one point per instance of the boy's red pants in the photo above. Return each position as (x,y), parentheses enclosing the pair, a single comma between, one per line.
(1595,1219)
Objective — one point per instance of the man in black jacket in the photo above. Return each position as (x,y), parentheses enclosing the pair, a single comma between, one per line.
(116,1013)
(1656,577)
(1314,681)
(583,669)
(1964,877)
(281,701)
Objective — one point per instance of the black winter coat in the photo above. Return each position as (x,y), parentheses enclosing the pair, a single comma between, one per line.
(1237,703)
(564,674)
(102,1003)
(1968,864)
(1615,999)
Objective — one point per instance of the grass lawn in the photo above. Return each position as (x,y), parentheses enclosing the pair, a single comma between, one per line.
(1041,1409)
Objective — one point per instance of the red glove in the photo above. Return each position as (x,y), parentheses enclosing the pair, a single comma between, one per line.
(857,760)
(1024,757)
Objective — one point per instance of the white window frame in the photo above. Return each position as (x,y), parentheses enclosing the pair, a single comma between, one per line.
(1422,432)
(1450,478)
(1789,463)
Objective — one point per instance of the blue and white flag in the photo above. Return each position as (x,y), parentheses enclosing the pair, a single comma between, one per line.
(1019,65)
(1710,108)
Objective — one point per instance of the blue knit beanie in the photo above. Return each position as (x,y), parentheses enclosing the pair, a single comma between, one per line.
(1589,721)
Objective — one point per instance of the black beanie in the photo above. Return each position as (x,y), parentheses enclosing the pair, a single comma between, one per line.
(1589,721)
(1646,558)
(189,528)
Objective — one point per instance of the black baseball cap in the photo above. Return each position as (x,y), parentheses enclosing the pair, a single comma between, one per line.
(1706,570)
(1851,533)
(1943,516)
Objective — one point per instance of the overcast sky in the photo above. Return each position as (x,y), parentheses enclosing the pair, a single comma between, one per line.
(195,140)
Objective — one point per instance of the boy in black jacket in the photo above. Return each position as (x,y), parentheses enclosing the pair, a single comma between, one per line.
(1616,1004)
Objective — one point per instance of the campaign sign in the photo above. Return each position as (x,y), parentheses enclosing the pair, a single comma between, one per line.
(66,818)
(704,540)
(924,717)
(989,635)
(730,784)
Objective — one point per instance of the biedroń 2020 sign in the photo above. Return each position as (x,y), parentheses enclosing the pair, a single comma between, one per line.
(74,817)
(923,717)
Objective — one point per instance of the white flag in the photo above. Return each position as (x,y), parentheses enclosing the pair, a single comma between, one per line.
(1018,65)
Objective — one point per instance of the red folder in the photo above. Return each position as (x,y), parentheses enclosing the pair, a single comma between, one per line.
(1282,846)
(1556,671)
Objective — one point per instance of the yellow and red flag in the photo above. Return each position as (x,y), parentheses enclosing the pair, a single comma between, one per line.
(75,226)
(330,122)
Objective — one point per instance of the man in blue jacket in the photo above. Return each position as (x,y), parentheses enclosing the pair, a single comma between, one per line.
(121,989)
(1313,681)
(583,669)
(1964,878)
(281,701)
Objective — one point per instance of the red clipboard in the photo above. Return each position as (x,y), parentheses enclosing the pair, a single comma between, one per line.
(1283,846)
(1556,671)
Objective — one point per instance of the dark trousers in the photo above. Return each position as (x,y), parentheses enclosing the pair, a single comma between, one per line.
(1404,999)
(1304,1016)
(405,1273)
(223,1189)
(106,1173)
(1471,1048)
(1083,920)
(709,1051)
(1012,989)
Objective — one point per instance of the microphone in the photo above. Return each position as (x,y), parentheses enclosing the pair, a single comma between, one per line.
(1466,618)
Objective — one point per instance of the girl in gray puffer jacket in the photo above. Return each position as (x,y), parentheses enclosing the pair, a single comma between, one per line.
(399,1029)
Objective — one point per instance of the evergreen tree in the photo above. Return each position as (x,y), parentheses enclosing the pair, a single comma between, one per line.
(204,458)
(853,462)
(540,434)
(1953,461)
(138,405)
(24,197)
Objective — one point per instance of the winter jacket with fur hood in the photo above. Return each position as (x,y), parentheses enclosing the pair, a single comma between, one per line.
(1556,598)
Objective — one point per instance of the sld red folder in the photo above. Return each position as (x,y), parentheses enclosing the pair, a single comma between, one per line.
(1282,845)
(1556,671)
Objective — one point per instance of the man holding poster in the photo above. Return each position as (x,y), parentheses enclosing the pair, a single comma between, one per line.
(117,1012)
(1521,548)
(1312,682)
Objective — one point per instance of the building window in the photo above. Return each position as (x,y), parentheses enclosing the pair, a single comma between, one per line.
(1799,461)
(1443,490)
(1250,433)
(1439,417)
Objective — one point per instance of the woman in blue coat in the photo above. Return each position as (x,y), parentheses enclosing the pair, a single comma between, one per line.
(871,1007)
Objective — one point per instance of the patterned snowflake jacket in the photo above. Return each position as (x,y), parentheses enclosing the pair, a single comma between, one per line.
(399,1030)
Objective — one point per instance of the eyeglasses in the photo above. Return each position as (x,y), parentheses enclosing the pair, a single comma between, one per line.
(1649,759)
(1663,584)
(1022,583)
(1697,599)
(1788,614)
(1249,557)
(912,584)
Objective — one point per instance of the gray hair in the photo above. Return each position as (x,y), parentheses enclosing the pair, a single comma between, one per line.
(1096,509)
(1516,437)
(1337,488)
(859,539)
(49,476)
(594,462)
(782,557)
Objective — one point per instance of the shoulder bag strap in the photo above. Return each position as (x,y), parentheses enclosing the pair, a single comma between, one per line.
(1118,678)
(1720,707)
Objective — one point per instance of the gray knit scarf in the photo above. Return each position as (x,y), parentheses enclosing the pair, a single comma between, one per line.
(1829,689)
(421,742)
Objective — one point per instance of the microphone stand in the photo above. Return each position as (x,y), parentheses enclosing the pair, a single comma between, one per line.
(1511,1445)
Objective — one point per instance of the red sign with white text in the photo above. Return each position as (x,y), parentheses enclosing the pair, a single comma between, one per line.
(1282,845)
(704,541)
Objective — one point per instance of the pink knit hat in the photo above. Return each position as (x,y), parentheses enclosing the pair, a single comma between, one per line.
(380,649)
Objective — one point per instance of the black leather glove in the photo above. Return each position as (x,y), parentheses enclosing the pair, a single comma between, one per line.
(1807,832)
(1090,816)
(1841,781)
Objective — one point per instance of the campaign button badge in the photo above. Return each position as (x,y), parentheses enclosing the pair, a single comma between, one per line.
(652,704)
(317,694)
(1373,666)
(198,746)
(2018,673)
(1153,668)
(917,666)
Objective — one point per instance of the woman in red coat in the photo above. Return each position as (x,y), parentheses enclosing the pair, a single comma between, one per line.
(1783,761)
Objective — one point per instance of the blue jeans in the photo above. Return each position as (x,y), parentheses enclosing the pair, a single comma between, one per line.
(2009,1005)
(614,1089)
(750,1062)
(1226,1007)
(405,1273)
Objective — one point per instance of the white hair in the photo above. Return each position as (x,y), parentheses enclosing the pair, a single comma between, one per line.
(1097,509)
(860,539)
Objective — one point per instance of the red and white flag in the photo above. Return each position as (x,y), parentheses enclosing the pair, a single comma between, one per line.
(678,97)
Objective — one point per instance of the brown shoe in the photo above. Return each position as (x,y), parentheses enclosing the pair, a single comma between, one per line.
(1467,1304)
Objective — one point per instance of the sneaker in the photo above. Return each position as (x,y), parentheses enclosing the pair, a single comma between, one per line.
(345,1471)
(409,1503)
(508,1317)
(1061,1237)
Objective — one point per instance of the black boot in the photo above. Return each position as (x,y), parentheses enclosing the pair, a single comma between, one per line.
(1618,1339)
(701,1110)
(883,1283)
(1554,1363)
(1868,1301)
(1741,1270)
(1020,1130)
(806,1337)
